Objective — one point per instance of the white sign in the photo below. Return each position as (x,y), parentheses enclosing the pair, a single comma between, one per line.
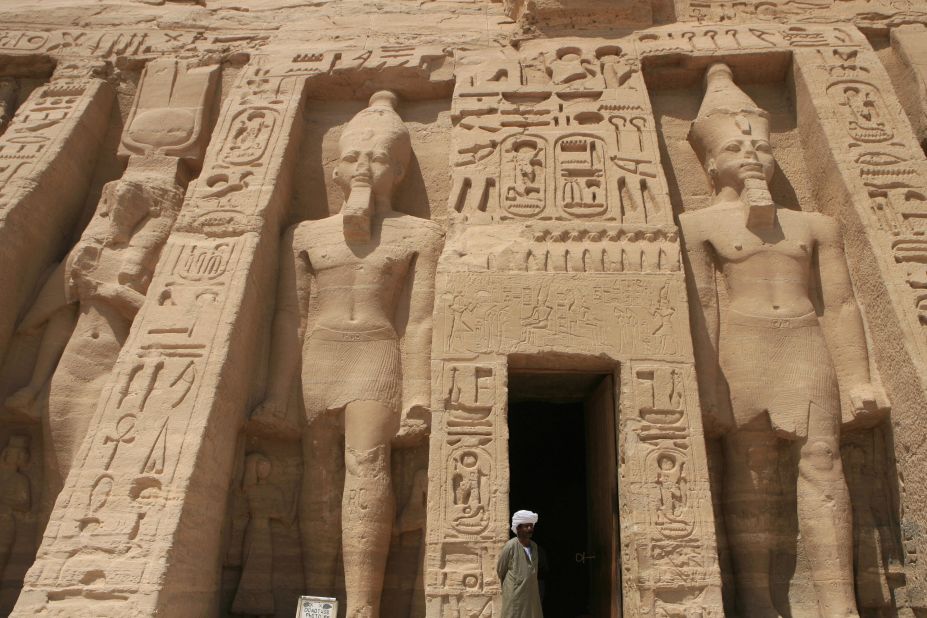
(317,607)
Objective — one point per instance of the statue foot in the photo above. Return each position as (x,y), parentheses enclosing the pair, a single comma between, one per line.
(362,612)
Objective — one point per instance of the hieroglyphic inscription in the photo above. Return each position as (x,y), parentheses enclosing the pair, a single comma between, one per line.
(557,134)
(664,468)
(120,491)
(245,154)
(621,314)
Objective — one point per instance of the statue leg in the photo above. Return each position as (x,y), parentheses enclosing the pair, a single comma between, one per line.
(749,473)
(824,515)
(368,505)
(320,505)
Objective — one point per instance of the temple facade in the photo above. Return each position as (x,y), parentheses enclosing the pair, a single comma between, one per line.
(308,298)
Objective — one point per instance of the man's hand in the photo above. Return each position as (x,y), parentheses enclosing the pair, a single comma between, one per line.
(870,405)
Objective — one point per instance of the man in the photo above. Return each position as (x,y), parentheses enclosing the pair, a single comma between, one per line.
(778,359)
(517,569)
(368,275)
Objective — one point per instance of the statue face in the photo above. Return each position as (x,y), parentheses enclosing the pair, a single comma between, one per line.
(367,160)
(741,158)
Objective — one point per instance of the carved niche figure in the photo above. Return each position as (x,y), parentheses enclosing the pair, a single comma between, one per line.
(791,321)
(265,502)
(371,271)
(15,493)
(89,302)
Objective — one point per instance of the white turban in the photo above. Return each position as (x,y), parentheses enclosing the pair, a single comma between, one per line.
(523,517)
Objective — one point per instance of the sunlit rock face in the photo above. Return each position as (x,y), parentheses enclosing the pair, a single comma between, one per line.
(307,299)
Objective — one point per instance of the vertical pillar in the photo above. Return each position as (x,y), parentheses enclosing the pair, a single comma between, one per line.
(562,251)
(873,178)
(136,530)
(47,156)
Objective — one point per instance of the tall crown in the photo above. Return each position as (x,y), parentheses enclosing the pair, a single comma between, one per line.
(726,109)
(380,117)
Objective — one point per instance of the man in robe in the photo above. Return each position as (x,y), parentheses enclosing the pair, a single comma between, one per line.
(367,273)
(517,569)
(789,325)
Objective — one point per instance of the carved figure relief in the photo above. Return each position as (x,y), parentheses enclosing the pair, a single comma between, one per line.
(352,357)
(266,502)
(747,235)
(15,493)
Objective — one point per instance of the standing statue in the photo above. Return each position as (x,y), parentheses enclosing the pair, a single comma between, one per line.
(368,272)
(265,502)
(790,323)
(89,303)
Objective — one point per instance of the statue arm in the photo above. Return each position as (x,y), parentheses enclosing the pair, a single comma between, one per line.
(416,371)
(843,323)
(705,316)
(285,339)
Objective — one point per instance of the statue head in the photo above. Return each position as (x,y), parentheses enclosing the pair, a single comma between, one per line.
(375,149)
(257,469)
(731,134)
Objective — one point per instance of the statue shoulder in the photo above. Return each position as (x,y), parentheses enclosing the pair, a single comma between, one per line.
(823,227)
(696,224)
(425,229)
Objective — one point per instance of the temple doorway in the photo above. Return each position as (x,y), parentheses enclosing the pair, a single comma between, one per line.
(563,465)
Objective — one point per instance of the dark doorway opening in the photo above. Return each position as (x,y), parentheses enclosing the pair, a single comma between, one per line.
(563,465)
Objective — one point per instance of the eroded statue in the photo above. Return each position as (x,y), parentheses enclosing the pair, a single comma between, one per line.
(88,304)
(773,351)
(368,275)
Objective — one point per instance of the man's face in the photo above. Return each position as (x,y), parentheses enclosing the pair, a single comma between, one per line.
(525,531)
(741,158)
(366,162)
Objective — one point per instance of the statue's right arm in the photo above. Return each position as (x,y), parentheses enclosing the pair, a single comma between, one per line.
(703,292)
(285,346)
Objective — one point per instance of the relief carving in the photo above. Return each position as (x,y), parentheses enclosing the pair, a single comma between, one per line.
(352,359)
(770,324)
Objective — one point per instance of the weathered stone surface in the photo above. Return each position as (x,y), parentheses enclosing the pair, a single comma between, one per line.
(293,291)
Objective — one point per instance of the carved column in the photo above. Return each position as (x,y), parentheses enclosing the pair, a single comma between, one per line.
(858,139)
(136,530)
(47,156)
(562,250)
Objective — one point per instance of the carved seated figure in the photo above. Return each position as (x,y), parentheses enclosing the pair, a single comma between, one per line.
(790,323)
(370,271)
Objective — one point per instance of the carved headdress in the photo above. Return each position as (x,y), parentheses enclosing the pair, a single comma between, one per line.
(379,120)
(378,123)
(726,109)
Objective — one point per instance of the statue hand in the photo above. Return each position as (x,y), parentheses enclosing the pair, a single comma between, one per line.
(414,426)
(870,405)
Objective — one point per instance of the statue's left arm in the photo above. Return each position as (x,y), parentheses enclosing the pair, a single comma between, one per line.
(843,325)
(416,370)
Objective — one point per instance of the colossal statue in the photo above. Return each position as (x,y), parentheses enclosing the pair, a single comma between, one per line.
(368,274)
(773,351)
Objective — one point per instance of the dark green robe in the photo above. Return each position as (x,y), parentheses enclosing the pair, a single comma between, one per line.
(521,597)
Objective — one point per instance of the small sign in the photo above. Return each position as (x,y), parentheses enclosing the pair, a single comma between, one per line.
(317,607)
